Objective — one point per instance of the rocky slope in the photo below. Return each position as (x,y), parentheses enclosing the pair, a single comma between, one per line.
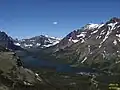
(41,41)
(13,76)
(95,45)
(7,42)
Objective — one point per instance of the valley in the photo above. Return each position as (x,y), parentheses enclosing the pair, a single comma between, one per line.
(86,59)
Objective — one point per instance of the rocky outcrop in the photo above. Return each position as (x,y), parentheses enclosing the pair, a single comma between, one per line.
(13,75)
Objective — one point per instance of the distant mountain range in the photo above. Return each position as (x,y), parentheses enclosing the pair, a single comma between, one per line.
(41,41)
(94,49)
(94,45)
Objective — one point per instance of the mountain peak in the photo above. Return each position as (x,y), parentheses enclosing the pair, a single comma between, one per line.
(114,20)
(92,45)
(91,26)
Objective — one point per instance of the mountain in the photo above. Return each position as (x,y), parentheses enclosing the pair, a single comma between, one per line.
(7,42)
(41,41)
(94,45)
(76,36)
(13,76)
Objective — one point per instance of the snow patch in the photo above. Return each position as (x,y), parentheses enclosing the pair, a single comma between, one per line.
(26,83)
(91,52)
(84,60)
(54,43)
(118,35)
(119,39)
(70,39)
(37,76)
(88,48)
(52,37)
(38,44)
(107,35)
(117,62)
(18,44)
(82,35)
(118,26)
(115,42)
(94,32)
(82,40)
(28,45)
(103,55)
(100,46)
(101,25)
(112,25)
(91,26)
(98,37)
(102,32)
(75,41)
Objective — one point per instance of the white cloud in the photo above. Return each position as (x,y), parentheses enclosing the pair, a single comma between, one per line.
(55,23)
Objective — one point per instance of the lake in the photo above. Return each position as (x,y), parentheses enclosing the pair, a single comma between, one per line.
(31,62)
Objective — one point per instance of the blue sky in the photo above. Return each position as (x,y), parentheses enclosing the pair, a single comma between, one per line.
(26,18)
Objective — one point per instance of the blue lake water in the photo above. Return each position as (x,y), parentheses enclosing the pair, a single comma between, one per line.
(36,63)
